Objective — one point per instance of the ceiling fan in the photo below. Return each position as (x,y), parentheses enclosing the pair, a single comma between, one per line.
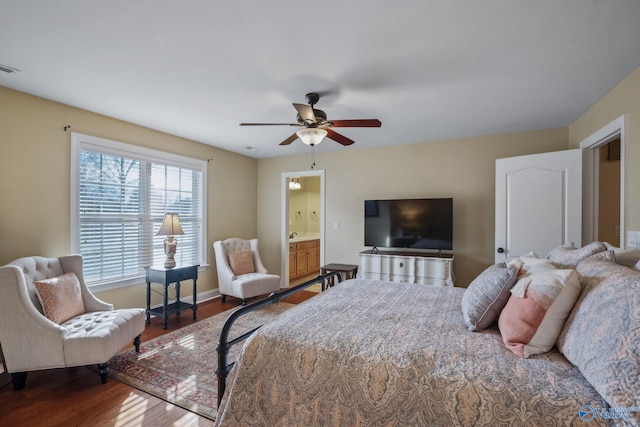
(316,126)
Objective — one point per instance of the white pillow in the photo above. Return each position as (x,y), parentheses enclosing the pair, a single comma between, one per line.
(530,263)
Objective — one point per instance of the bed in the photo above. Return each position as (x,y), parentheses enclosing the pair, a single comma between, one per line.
(375,353)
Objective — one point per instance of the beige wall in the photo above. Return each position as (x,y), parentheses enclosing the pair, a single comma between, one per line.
(35,182)
(463,169)
(622,99)
(244,194)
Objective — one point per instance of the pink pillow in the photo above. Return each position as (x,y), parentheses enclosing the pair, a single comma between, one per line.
(241,262)
(534,316)
(61,297)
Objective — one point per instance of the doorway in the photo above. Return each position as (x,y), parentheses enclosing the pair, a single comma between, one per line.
(302,218)
(609,193)
(604,160)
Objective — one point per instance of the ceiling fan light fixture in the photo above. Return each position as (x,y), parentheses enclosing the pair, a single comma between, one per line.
(311,136)
(315,121)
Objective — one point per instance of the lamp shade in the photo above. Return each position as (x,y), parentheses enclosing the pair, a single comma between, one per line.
(170,226)
(311,136)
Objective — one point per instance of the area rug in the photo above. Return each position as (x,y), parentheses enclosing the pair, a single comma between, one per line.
(179,367)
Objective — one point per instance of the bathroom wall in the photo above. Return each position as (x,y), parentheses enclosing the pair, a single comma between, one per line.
(304,207)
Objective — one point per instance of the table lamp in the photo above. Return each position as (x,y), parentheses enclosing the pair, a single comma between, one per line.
(170,227)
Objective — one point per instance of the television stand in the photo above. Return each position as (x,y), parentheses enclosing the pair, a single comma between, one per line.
(412,267)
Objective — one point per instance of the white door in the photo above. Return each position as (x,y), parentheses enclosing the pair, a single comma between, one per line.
(538,203)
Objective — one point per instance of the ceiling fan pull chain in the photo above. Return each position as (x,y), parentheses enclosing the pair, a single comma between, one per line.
(313,157)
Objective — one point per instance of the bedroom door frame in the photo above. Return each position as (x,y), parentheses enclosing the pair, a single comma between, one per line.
(284,224)
(591,189)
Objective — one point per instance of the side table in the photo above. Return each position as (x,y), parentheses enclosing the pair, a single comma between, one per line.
(166,276)
(349,271)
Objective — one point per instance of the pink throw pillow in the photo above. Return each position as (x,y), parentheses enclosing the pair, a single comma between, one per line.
(241,262)
(61,297)
(534,316)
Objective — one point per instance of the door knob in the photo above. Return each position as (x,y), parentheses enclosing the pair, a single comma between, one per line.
(500,250)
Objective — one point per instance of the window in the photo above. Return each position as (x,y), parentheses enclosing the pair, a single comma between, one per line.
(119,195)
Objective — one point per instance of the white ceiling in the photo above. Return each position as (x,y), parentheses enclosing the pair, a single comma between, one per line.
(428,69)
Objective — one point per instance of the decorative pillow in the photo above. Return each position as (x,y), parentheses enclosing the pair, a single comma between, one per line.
(534,316)
(61,297)
(487,295)
(530,263)
(241,262)
(568,257)
(606,255)
(626,257)
(518,262)
(602,334)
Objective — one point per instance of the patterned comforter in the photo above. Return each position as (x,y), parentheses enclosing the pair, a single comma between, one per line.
(373,353)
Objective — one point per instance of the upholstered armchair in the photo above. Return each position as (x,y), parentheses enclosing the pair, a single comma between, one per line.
(240,270)
(50,319)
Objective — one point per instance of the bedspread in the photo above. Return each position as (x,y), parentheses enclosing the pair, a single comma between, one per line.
(374,353)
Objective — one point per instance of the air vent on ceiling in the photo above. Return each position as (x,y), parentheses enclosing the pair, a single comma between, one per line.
(8,69)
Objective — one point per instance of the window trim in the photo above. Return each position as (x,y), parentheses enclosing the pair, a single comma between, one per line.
(80,142)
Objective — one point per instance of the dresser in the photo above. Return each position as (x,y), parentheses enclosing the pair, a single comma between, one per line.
(411,267)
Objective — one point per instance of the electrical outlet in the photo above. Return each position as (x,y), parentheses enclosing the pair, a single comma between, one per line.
(633,238)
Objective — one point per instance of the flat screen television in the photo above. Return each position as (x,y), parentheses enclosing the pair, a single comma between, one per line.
(409,223)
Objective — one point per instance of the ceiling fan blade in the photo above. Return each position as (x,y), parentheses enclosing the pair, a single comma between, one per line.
(340,139)
(357,123)
(289,140)
(270,124)
(306,113)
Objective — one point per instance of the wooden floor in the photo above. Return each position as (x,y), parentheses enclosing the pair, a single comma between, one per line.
(75,396)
